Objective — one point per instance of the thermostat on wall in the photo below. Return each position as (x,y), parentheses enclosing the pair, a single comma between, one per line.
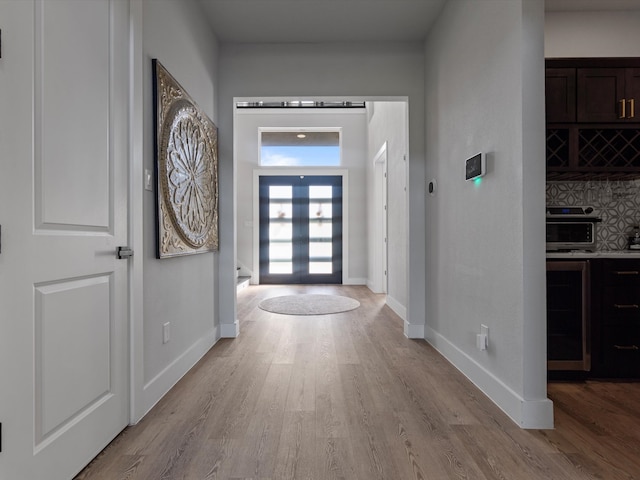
(476,166)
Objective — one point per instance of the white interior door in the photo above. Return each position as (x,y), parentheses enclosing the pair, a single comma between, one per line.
(63,211)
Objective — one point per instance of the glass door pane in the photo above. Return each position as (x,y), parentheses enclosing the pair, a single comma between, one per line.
(320,229)
(281,229)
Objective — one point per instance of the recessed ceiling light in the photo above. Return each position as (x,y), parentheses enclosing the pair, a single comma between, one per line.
(301,135)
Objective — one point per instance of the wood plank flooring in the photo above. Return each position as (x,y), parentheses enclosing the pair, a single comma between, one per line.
(347,396)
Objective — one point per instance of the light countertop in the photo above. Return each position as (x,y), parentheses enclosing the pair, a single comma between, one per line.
(621,254)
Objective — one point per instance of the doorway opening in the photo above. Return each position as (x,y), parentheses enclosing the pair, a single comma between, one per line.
(375,228)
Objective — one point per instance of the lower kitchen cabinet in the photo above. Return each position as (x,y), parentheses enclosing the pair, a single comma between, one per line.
(615,335)
(593,319)
(621,351)
(568,316)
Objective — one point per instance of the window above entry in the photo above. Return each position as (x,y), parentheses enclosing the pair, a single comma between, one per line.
(299,148)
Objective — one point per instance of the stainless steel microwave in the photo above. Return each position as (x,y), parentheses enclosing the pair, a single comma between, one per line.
(571,230)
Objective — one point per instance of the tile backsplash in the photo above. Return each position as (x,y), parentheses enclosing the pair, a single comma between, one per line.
(616,202)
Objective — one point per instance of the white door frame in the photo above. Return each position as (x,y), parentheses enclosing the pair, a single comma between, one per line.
(137,406)
(380,275)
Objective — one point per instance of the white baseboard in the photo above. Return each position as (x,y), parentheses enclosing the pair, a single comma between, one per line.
(355,281)
(397,307)
(537,414)
(157,387)
(229,330)
(373,288)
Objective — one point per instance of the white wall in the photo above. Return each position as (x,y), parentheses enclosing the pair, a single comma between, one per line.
(353,139)
(178,290)
(327,70)
(388,124)
(592,34)
(485,249)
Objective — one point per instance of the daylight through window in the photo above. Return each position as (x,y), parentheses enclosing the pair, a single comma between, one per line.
(300,149)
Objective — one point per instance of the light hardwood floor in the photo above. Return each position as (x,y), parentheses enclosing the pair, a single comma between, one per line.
(347,396)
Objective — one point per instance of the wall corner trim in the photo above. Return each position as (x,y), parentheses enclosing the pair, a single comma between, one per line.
(413,331)
(529,414)
(230,330)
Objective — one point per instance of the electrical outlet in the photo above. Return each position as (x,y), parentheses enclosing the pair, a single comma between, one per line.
(166,332)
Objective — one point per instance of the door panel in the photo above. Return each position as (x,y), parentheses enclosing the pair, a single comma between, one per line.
(560,95)
(599,93)
(63,97)
(63,293)
(300,229)
(72,371)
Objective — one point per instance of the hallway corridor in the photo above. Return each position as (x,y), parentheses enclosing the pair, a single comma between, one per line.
(347,396)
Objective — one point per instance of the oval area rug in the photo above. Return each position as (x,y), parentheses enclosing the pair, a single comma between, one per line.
(309,304)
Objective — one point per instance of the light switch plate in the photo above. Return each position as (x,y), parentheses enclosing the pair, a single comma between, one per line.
(148,178)
(166,332)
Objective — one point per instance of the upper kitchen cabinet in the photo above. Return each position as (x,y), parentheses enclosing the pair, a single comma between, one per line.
(560,97)
(607,95)
(633,91)
(593,131)
(592,90)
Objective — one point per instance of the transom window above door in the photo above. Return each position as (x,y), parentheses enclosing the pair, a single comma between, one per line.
(299,148)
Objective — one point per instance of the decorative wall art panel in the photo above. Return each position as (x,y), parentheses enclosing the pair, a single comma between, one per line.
(186,167)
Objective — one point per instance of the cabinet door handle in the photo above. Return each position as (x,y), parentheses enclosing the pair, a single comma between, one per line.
(632,108)
(626,272)
(623,108)
(626,347)
(617,305)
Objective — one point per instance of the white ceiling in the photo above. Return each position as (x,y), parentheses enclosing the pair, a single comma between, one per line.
(275,21)
(309,21)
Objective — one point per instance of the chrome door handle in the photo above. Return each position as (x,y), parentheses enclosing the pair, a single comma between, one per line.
(123,253)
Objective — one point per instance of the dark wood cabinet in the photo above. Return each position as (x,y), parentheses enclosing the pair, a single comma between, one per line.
(568,315)
(593,130)
(633,91)
(593,318)
(592,152)
(605,96)
(560,97)
(615,334)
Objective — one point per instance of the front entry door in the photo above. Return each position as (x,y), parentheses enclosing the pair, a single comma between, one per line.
(300,229)
(64,352)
